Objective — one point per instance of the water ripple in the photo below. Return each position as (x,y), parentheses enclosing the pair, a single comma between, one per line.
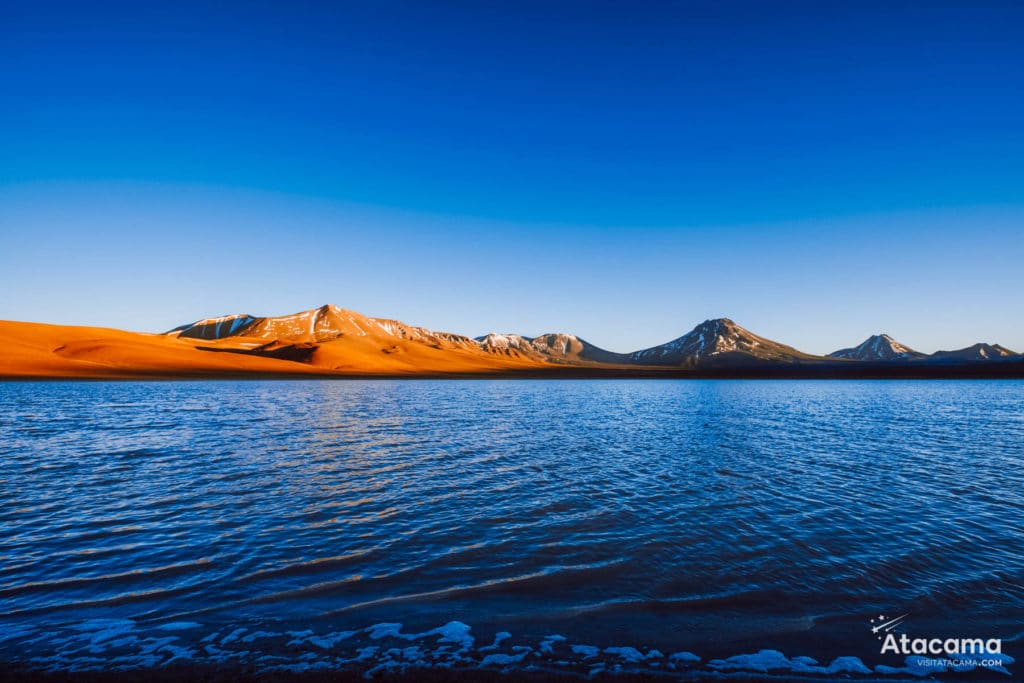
(656,513)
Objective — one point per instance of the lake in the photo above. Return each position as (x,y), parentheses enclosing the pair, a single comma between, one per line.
(679,526)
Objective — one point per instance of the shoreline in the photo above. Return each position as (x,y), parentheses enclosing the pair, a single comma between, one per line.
(973,371)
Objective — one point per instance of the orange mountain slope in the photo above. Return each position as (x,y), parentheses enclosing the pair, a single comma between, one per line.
(38,350)
(327,340)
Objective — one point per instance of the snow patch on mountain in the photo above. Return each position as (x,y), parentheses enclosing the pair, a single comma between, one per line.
(711,339)
(878,347)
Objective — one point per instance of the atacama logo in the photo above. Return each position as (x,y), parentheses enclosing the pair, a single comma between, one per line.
(893,642)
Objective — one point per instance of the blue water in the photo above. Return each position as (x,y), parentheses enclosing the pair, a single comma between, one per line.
(563,525)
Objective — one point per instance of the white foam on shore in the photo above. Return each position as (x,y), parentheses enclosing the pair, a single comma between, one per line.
(453,632)
(503,659)
(498,638)
(547,645)
(683,658)
(767,661)
(629,654)
(125,645)
(588,651)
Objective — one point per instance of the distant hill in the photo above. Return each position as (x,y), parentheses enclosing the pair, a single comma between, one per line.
(975,353)
(554,347)
(878,347)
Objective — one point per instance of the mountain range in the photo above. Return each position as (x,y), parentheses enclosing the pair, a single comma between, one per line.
(332,341)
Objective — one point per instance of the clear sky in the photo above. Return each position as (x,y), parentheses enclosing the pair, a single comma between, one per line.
(616,170)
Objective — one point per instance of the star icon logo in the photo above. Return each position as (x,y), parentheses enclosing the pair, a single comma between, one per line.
(883,624)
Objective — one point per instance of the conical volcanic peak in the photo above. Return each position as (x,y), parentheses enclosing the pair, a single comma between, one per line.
(878,347)
(717,340)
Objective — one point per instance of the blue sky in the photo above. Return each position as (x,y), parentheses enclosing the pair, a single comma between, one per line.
(620,172)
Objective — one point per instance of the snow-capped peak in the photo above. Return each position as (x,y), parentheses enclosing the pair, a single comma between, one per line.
(713,338)
(878,347)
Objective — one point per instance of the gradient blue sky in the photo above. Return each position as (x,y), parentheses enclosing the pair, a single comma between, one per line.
(613,170)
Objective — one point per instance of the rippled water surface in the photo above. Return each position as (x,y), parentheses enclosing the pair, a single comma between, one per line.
(587,525)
